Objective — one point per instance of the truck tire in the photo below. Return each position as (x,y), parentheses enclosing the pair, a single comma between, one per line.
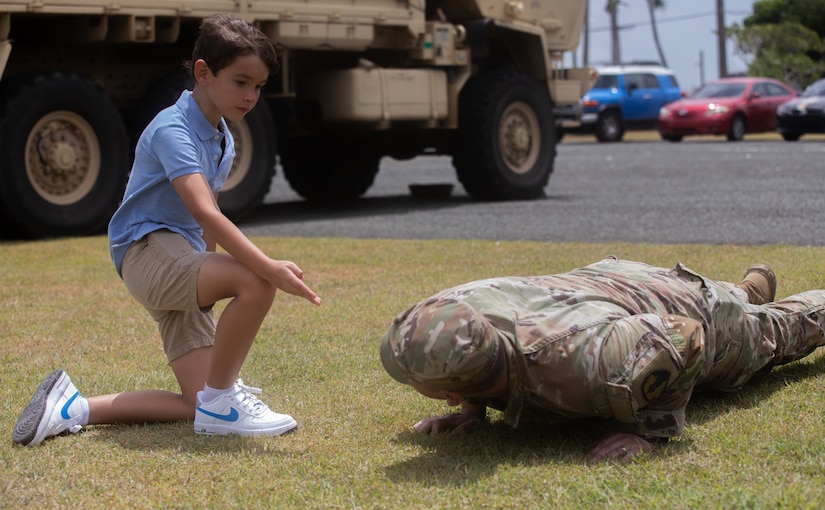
(325,167)
(64,156)
(254,167)
(506,140)
(609,128)
(255,144)
(161,93)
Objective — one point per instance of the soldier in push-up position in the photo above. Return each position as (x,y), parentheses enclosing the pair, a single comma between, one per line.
(615,339)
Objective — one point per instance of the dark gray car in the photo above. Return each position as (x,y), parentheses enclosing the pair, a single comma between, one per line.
(804,114)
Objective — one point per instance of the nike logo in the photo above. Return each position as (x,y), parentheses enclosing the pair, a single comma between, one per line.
(232,415)
(65,411)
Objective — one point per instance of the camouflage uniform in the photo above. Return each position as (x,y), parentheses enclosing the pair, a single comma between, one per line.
(615,339)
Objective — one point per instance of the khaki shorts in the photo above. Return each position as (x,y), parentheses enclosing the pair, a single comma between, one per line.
(161,272)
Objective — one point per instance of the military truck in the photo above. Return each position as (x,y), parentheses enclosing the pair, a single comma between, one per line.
(360,79)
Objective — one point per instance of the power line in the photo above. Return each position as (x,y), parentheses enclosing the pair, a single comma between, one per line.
(659,21)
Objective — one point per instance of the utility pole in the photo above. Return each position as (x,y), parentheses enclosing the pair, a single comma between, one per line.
(586,49)
(721,36)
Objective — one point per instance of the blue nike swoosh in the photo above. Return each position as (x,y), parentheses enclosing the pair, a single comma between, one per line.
(65,411)
(231,416)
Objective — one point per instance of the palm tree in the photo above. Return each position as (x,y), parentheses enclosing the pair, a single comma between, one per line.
(612,8)
(652,5)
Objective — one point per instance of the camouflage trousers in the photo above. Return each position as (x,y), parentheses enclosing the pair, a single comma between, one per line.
(750,338)
(721,344)
(729,340)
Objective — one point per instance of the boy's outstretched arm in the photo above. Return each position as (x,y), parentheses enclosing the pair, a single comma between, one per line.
(200,201)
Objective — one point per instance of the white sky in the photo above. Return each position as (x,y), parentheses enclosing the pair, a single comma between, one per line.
(687,28)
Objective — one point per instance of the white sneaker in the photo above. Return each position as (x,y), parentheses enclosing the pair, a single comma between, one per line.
(55,408)
(240,412)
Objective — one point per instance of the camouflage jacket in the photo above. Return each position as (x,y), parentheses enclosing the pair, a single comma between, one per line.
(615,339)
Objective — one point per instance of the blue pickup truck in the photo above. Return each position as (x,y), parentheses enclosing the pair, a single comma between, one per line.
(626,97)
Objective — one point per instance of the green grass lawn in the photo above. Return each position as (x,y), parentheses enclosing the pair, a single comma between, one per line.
(62,305)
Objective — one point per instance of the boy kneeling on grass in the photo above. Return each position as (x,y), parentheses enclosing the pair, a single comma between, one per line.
(615,339)
(163,239)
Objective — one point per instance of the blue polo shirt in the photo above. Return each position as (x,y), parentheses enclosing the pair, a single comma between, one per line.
(179,141)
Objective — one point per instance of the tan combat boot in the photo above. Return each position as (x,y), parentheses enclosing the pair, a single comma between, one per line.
(759,283)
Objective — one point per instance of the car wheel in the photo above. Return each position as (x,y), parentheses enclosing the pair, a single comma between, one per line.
(791,137)
(609,128)
(737,128)
(671,138)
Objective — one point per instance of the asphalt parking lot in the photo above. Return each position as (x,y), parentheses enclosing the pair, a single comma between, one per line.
(703,190)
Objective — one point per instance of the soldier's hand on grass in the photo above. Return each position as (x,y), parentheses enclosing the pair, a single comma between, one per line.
(459,422)
(619,445)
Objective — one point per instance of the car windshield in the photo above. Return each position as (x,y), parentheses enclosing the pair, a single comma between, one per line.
(721,90)
(815,89)
(606,81)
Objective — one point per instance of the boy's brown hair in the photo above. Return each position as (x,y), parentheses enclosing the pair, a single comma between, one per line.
(223,38)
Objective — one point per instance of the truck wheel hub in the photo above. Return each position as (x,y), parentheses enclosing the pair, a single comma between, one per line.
(61,158)
(518,129)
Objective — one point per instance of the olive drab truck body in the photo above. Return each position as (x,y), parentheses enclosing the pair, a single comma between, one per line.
(478,80)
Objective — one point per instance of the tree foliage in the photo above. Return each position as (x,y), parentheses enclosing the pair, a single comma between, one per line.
(783,39)
(808,13)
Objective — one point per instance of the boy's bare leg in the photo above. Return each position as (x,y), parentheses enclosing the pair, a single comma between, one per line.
(156,405)
(222,276)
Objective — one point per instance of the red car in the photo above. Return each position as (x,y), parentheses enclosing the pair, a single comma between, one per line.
(728,106)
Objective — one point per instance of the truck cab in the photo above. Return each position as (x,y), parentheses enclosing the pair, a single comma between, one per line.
(360,80)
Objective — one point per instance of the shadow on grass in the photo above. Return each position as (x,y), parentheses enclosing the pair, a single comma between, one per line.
(301,211)
(459,459)
(179,437)
(453,460)
(707,405)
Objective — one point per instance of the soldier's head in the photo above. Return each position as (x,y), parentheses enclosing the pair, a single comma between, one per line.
(443,344)
(223,38)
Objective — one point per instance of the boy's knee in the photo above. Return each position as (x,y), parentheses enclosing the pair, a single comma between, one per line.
(260,290)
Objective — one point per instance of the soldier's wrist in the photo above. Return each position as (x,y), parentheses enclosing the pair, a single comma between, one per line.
(654,439)
(475,413)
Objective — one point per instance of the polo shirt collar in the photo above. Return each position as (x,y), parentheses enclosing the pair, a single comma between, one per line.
(198,120)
